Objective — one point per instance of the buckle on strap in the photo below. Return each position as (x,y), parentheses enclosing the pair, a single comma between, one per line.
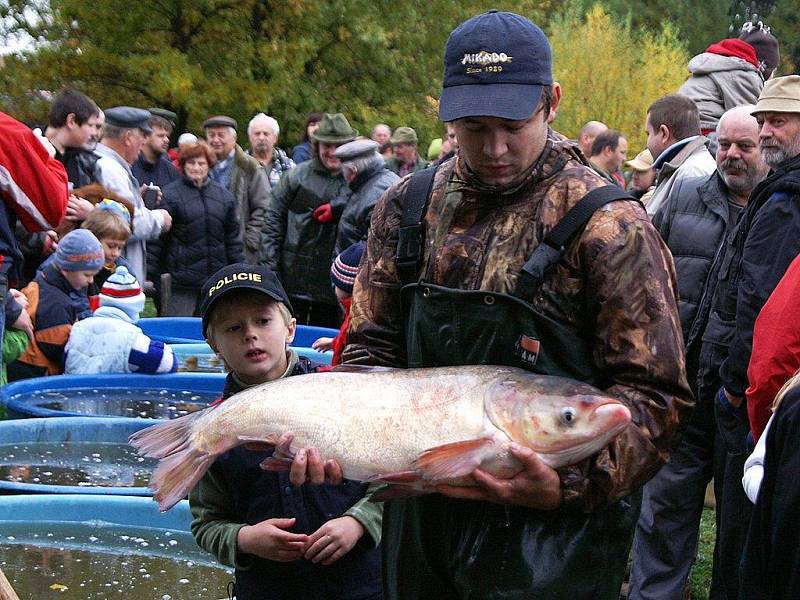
(409,244)
(543,258)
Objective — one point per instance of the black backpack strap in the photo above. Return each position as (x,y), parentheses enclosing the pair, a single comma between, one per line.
(409,244)
(552,248)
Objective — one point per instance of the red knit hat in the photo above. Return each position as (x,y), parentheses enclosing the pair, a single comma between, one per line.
(736,48)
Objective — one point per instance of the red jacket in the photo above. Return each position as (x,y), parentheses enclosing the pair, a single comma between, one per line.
(33,186)
(776,348)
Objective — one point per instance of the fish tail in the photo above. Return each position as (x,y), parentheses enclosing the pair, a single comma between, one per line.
(177,474)
(165,438)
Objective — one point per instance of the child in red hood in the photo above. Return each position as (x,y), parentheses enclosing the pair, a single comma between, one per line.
(727,74)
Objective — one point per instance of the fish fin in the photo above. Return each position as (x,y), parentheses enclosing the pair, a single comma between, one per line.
(281,459)
(259,446)
(350,368)
(396,477)
(165,438)
(257,443)
(177,474)
(397,492)
(452,460)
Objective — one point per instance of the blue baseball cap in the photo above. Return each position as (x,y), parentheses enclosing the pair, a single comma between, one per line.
(495,65)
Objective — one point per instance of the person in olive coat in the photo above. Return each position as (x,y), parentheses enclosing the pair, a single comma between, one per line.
(205,236)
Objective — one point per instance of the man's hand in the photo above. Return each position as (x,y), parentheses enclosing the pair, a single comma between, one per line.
(269,539)
(23,323)
(735,401)
(167,219)
(307,464)
(333,540)
(48,146)
(323,213)
(78,208)
(536,486)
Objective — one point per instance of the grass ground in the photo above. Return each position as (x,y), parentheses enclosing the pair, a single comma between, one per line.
(700,577)
(149,308)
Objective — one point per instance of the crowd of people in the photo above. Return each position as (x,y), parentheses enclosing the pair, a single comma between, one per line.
(668,280)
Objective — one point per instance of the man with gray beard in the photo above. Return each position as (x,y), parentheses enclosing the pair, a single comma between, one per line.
(767,240)
(698,219)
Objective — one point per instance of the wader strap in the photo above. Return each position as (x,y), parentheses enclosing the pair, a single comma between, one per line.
(409,244)
(550,251)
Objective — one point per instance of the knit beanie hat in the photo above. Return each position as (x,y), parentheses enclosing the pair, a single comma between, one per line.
(79,250)
(345,268)
(764,43)
(122,290)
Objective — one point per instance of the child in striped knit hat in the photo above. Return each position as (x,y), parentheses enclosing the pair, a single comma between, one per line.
(110,341)
(343,276)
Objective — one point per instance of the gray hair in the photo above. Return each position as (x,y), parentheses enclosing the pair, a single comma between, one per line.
(112,132)
(364,163)
(273,124)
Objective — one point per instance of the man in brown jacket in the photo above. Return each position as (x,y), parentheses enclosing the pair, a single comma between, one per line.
(486,276)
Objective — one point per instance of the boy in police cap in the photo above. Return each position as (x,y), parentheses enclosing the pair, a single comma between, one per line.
(285,542)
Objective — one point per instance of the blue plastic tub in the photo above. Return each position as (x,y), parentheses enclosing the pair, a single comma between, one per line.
(53,396)
(201,358)
(84,443)
(87,547)
(189,330)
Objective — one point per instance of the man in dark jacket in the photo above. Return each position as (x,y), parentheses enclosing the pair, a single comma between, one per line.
(406,159)
(300,229)
(768,240)
(243,176)
(366,174)
(697,219)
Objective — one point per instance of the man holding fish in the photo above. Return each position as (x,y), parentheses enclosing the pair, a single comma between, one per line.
(478,267)
(504,482)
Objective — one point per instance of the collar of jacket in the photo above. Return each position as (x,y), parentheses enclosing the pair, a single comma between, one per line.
(112,312)
(104,150)
(191,183)
(554,156)
(52,275)
(670,165)
(244,161)
(786,178)
(714,194)
(363,177)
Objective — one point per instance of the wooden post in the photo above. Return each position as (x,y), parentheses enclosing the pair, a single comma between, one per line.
(6,591)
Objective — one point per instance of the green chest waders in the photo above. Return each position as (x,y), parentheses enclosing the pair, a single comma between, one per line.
(442,548)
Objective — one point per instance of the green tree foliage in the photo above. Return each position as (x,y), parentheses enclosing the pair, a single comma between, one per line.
(612,72)
(373,60)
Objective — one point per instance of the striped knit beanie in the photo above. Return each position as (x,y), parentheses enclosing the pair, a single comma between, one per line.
(122,290)
(345,268)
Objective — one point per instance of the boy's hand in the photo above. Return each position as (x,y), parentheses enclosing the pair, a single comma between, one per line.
(323,344)
(333,540)
(269,539)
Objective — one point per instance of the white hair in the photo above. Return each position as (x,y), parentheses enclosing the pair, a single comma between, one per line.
(273,124)
(187,138)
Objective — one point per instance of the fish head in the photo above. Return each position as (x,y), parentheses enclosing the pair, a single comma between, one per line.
(562,420)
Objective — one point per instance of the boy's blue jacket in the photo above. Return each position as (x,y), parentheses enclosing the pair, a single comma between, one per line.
(236,491)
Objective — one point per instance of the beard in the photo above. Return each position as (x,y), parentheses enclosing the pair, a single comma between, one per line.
(776,153)
(739,176)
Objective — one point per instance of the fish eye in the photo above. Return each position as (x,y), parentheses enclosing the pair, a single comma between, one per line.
(567,415)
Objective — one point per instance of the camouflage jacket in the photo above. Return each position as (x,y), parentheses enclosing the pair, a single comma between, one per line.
(616,280)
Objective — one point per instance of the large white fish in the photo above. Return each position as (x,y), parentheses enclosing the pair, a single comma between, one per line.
(396,425)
